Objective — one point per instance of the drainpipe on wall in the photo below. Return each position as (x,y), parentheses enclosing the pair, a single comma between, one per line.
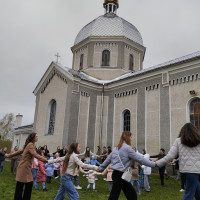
(101,117)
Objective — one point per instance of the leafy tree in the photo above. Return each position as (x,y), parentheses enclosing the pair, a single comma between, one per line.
(7,127)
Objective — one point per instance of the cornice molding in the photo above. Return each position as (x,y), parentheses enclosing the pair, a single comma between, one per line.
(54,72)
(185,79)
(126,93)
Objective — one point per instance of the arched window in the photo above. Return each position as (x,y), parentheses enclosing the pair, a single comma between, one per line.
(106,58)
(131,62)
(52,117)
(127,121)
(195,112)
(81,61)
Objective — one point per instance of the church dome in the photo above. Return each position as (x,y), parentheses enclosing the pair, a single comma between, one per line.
(109,26)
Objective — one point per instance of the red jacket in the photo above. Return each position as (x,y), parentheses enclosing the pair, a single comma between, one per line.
(41,174)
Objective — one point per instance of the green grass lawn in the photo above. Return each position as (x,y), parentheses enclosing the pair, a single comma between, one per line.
(169,191)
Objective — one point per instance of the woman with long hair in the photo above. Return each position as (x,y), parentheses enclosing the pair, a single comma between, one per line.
(87,154)
(71,161)
(104,156)
(24,175)
(187,146)
(46,151)
(120,159)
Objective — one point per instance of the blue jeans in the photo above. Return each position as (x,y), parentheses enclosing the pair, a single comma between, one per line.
(192,188)
(67,186)
(34,172)
(1,166)
(142,180)
(137,185)
(43,185)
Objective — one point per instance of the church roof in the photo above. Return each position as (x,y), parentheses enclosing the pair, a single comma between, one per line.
(170,63)
(24,129)
(104,26)
(70,73)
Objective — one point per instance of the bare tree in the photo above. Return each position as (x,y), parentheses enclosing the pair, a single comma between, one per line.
(7,126)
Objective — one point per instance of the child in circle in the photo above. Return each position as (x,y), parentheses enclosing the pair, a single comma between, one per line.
(41,174)
(91,178)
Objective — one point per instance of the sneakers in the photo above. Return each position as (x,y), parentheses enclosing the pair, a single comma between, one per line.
(78,187)
(56,177)
(94,190)
(45,189)
(182,190)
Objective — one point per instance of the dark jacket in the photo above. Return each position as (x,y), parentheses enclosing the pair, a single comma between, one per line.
(2,153)
(159,156)
(62,152)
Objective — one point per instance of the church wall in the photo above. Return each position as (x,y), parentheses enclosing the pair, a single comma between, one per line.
(141,117)
(90,54)
(23,138)
(120,105)
(36,111)
(120,62)
(72,90)
(164,118)
(152,121)
(100,47)
(101,131)
(180,98)
(83,118)
(57,89)
(16,141)
(73,121)
(105,73)
(77,54)
(97,123)
(92,119)
(127,52)
(110,119)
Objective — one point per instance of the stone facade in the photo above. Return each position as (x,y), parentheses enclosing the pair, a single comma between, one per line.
(91,102)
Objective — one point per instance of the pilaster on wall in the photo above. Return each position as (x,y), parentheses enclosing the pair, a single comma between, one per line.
(141,118)
(110,120)
(152,121)
(37,101)
(73,121)
(83,119)
(164,118)
(67,115)
(90,59)
(120,61)
(92,120)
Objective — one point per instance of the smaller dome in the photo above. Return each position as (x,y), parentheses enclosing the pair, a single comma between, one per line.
(109,26)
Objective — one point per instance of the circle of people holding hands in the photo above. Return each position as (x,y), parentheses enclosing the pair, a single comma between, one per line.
(122,166)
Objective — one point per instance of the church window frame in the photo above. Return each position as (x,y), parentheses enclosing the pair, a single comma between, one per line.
(126,120)
(131,62)
(194,111)
(51,117)
(105,61)
(81,61)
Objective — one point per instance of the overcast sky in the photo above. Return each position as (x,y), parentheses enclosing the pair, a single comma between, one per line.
(33,31)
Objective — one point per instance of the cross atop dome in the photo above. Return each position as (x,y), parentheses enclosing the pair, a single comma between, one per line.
(111,7)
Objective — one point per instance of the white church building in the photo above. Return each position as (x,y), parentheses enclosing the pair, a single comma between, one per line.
(107,91)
